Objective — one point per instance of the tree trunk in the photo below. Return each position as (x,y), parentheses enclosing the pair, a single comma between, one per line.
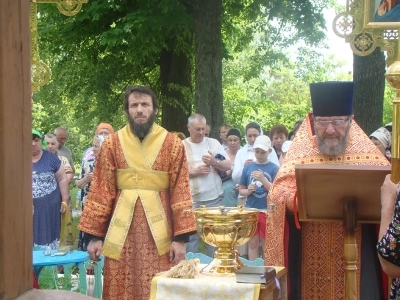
(176,90)
(369,79)
(208,60)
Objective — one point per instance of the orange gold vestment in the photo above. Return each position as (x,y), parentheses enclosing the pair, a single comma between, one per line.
(130,277)
(322,265)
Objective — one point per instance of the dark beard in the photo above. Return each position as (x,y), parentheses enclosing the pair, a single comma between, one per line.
(141,130)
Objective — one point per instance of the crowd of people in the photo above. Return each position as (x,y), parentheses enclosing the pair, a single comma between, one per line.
(137,184)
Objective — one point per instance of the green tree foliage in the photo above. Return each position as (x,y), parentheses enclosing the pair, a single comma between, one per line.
(96,54)
(116,42)
(110,44)
(278,95)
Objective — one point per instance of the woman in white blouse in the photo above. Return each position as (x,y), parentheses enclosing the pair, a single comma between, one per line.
(246,154)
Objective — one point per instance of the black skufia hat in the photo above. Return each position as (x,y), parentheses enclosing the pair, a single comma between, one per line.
(332,98)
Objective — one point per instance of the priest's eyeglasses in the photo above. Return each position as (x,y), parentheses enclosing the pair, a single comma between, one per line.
(335,122)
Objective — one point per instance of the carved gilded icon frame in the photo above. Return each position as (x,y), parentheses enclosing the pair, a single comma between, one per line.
(357,26)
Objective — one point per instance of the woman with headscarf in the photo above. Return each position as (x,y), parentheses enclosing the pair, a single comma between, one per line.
(104,129)
(382,138)
(245,155)
(285,149)
(84,180)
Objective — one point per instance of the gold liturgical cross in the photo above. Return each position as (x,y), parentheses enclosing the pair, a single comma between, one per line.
(39,70)
(136,177)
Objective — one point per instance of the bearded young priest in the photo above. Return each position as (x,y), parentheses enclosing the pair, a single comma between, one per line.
(314,254)
(136,209)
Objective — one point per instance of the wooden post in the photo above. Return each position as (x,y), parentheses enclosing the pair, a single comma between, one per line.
(15,150)
(16,158)
(350,248)
(392,77)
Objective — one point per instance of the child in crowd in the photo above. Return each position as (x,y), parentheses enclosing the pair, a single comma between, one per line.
(255,183)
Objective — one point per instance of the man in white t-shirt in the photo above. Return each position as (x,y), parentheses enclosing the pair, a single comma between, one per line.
(205,164)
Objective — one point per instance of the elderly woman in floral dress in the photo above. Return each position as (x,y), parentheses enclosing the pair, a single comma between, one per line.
(84,180)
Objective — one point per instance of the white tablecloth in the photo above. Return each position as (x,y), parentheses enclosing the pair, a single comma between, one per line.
(202,288)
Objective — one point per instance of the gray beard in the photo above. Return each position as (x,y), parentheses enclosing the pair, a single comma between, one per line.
(334,150)
(141,130)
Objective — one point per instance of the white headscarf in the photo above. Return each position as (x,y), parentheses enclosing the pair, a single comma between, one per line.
(383,136)
(286,145)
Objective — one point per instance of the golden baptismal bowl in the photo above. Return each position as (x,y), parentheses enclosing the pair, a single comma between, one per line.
(225,228)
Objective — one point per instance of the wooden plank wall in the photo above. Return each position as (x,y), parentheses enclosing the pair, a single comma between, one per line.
(15,150)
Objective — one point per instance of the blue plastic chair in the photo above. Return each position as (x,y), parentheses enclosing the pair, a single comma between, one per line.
(98,284)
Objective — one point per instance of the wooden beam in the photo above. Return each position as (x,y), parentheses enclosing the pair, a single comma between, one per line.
(15,150)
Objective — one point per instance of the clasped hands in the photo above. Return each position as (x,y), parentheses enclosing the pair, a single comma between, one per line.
(88,177)
(388,193)
(209,159)
(258,175)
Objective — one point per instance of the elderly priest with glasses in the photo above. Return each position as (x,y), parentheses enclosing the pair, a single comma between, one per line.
(314,252)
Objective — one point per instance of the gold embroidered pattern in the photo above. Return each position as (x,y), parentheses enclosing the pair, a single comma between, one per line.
(318,266)
(129,278)
(124,210)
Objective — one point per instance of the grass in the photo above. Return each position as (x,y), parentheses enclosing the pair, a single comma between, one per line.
(75,220)
(48,278)
(73,192)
